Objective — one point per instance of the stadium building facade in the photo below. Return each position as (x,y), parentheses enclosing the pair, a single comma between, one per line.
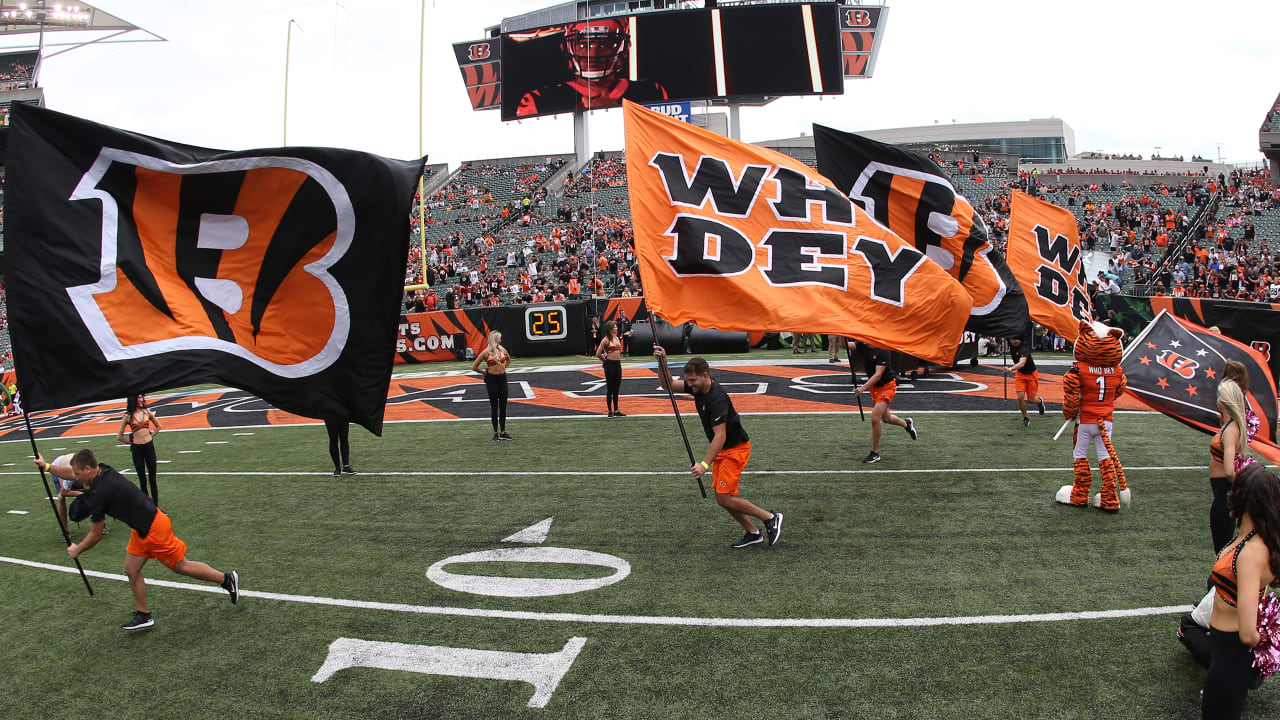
(1048,140)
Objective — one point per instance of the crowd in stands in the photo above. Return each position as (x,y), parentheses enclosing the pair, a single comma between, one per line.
(16,71)
(525,245)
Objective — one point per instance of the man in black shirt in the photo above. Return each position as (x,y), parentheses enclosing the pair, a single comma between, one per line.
(729,450)
(108,493)
(1027,378)
(883,386)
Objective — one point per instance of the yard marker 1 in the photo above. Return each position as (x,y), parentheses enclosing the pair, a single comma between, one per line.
(66,535)
(662,368)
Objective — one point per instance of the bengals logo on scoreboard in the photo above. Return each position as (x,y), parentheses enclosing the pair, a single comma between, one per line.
(1263,347)
(192,257)
(856,18)
(478,51)
(1184,366)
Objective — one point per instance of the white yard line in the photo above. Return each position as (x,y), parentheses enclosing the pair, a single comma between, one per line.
(605,473)
(643,619)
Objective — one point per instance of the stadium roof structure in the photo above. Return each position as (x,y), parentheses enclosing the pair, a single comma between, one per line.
(25,23)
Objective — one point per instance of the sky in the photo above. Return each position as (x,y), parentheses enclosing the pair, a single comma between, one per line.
(1127,75)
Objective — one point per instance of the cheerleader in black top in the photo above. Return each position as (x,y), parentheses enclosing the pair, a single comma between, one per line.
(610,352)
(496,359)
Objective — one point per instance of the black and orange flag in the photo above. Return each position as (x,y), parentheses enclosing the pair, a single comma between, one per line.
(1046,258)
(913,197)
(1175,366)
(138,265)
(737,237)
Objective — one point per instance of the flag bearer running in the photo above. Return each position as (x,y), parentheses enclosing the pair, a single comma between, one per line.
(108,493)
(730,448)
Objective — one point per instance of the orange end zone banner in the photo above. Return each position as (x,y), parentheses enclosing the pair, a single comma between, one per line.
(1045,256)
(736,237)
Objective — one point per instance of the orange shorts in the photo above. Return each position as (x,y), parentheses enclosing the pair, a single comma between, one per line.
(160,542)
(1027,383)
(884,393)
(727,468)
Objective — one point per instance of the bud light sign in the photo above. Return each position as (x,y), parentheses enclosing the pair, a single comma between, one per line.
(678,110)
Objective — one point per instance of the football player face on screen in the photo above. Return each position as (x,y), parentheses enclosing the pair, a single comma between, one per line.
(597,53)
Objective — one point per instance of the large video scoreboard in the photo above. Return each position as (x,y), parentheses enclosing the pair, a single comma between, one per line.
(737,52)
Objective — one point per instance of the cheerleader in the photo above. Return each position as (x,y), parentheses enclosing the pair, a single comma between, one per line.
(610,352)
(143,426)
(496,359)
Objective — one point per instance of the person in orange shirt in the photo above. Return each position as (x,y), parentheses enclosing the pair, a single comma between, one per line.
(1089,392)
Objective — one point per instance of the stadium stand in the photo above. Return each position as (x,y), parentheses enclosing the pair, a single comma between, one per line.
(17,70)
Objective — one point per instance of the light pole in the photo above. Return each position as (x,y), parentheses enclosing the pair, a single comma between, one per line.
(287,47)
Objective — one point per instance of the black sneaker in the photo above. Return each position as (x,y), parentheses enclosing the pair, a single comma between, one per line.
(773,526)
(504,435)
(348,470)
(231,583)
(872,457)
(749,539)
(610,414)
(1040,405)
(911,429)
(337,472)
(106,530)
(140,620)
(1026,422)
(496,438)
(619,414)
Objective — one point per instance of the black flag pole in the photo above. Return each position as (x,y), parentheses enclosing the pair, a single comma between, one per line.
(1004,358)
(66,535)
(666,383)
(852,371)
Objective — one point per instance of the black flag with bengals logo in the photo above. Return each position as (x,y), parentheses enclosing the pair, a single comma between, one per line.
(1175,366)
(913,197)
(137,265)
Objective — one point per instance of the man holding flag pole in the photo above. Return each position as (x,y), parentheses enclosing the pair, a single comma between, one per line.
(729,449)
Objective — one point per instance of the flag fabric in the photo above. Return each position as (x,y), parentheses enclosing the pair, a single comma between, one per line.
(915,199)
(1046,258)
(1175,366)
(138,265)
(736,237)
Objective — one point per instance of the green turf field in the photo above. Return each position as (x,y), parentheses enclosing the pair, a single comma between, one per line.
(967,537)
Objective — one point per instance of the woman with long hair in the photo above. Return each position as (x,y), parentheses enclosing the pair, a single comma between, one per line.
(143,426)
(496,359)
(1244,569)
(610,353)
(1227,444)
(1235,370)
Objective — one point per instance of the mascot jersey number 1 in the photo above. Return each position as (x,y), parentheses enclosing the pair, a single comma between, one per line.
(1089,392)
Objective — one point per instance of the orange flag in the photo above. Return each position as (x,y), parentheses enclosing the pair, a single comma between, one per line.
(736,237)
(1045,256)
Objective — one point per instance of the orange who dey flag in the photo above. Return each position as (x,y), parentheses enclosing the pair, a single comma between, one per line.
(736,237)
(1045,256)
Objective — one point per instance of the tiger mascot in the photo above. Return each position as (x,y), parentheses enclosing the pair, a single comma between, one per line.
(1089,392)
